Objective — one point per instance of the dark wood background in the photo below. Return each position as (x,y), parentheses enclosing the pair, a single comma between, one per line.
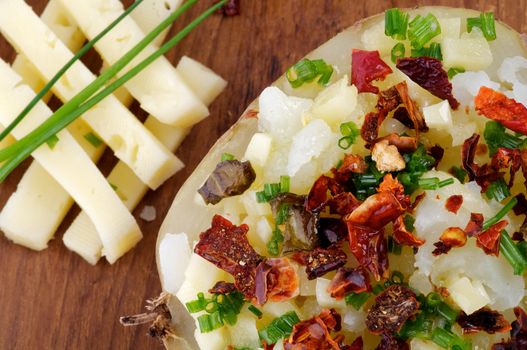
(53,299)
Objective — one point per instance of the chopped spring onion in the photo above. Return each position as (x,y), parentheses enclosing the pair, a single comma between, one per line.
(422,29)
(496,136)
(283,212)
(279,328)
(512,253)
(486,23)
(306,70)
(446,182)
(350,132)
(433,51)
(273,189)
(357,300)
(433,183)
(273,246)
(93,139)
(445,311)
(83,101)
(396,23)
(398,51)
(209,322)
(63,70)
(394,247)
(453,71)
(220,308)
(52,141)
(459,173)
(498,190)
(409,221)
(503,211)
(227,156)
(257,312)
(448,340)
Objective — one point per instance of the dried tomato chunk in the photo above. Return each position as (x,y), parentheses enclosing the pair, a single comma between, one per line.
(276,280)
(403,236)
(370,127)
(367,66)
(318,195)
(404,144)
(370,248)
(475,224)
(226,246)
(377,210)
(320,261)
(428,73)
(468,153)
(489,240)
(453,203)
(349,280)
(496,106)
(222,287)
(392,308)
(518,333)
(413,111)
(351,164)
(390,342)
(315,333)
(485,320)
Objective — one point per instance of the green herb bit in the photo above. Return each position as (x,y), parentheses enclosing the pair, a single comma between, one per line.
(396,23)
(227,156)
(409,221)
(306,70)
(453,71)
(350,132)
(397,277)
(377,289)
(273,189)
(357,300)
(285,182)
(279,328)
(498,190)
(85,100)
(273,246)
(512,253)
(52,141)
(486,23)
(93,139)
(459,173)
(433,51)
(496,136)
(423,29)
(448,340)
(503,211)
(446,182)
(431,183)
(393,247)
(397,52)
(257,312)
(63,70)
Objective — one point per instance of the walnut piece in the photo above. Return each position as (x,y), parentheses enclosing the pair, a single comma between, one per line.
(387,157)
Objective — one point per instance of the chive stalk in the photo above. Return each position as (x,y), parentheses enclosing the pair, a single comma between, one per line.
(78,105)
(512,253)
(503,211)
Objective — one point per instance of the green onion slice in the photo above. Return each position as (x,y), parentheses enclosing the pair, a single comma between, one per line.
(279,328)
(453,71)
(397,52)
(498,190)
(227,156)
(503,211)
(52,141)
(422,29)
(512,253)
(306,70)
(396,23)
(486,23)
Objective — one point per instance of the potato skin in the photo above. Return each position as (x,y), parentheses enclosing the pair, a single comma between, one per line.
(336,51)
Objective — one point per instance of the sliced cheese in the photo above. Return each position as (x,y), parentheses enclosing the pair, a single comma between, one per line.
(151,12)
(112,121)
(70,167)
(159,88)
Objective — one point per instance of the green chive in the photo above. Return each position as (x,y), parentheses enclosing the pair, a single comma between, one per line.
(459,173)
(409,221)
(63,70)
(306,70)
(496,136)
(377,289)
(194,306)
(503,211)
(449,314)
(357,300)
(433,51)
(279,328)
(52,141)
(429,183)
(82,102)
(498,190)
(93,139)
(205,324)
(396,23)
(423,29)
(397,52)
(350,132)
(512,253)
(445,182)
(433,299)
(285,182)
(257,312)
(453,71)
(486,23)
(393,247)
(397,277)
(227,156)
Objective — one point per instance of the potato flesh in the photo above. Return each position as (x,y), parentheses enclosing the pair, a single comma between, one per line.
(336,52)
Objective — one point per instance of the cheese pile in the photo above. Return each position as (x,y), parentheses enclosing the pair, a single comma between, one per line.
(175,97)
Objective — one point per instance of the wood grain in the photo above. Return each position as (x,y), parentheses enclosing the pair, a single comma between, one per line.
(53,299)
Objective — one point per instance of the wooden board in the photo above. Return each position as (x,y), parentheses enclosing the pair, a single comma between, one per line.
(53,299)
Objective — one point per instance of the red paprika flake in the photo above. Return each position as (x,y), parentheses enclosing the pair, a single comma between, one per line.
(518,333)
(428,73)
(404,237)
(453,203)
(489,240)
(496,106)
(474,225)
(349,280)
(320,261)
(315,333)
(370,248)
(276,280)
(367,66)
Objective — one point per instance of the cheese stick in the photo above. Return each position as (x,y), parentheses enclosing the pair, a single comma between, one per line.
(71,168)
(82,236)
(112,121)
(151,12)
(159,88)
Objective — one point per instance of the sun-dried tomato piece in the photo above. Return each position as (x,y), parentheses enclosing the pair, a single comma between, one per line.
(367,66)
(331,231)
(357,344)
(496,106)
(474,225)
(370,127)
(392,185)
(351,164)
(349,280)
(318,195)
(226,246)
(437,152)
(390,342)
(505,158)
(451,237)
(401,114)
(404,237)
(391,309)
(489,240)
(315,333)
(416,201)
(485,320)
(453,203)
(231,8)
(377,210)
(370,248)
(468,153)
(276,280)
(343,203)
(222,287)
(518,333)
(413,111)
(404,144)
(428,73)
(320,261)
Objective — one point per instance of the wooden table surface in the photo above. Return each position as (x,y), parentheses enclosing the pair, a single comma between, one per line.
(53,299)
